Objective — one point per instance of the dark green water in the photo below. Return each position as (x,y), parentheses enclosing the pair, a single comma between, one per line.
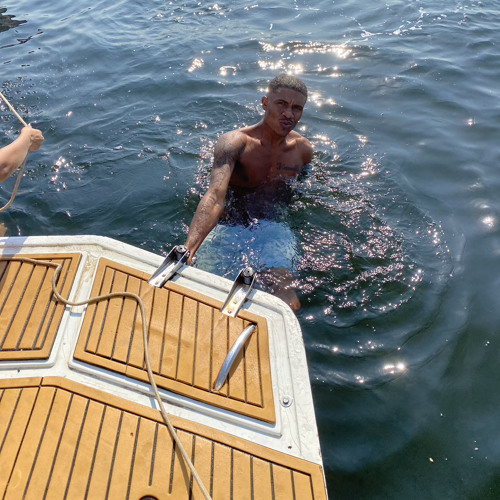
(397,219)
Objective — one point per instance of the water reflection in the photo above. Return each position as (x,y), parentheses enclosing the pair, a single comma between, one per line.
(342,51)
(489,221)
(371,261)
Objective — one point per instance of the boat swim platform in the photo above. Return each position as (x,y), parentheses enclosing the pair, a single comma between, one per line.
(29,318)
(65,440)
(93,355)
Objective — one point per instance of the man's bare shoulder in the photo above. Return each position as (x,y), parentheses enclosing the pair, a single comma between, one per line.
(228,148)
(235,139)
(304,146)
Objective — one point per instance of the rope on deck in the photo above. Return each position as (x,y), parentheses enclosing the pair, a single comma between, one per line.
(138,299)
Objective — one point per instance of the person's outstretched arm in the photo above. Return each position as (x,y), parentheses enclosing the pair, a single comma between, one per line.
(211,206)
(13,155)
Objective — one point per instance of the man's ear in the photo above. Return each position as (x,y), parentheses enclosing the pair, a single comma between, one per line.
(264,102)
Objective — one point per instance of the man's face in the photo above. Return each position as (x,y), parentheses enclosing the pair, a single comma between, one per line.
(283,110)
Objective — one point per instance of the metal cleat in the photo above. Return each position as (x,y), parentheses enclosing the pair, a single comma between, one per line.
(176,258)
(239,292)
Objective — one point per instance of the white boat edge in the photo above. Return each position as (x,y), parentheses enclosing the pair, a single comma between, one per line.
(295,431)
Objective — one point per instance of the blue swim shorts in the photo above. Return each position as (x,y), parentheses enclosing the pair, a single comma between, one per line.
(264,244)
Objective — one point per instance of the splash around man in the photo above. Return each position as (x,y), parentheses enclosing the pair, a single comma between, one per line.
(256,158)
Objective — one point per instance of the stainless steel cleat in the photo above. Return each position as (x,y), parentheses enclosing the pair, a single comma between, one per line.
(239,292)
(176,258)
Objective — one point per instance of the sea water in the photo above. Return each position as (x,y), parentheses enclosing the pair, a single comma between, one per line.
(396,219)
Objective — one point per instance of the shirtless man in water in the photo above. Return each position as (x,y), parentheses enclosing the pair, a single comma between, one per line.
(255,158)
